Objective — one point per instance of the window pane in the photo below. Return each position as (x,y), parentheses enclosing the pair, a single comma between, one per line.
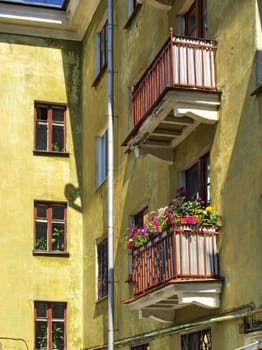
(102,255)
(58,310)
(58,236)
(41,335)
(58,335)
(192,181)
(41,211)
(192,25)
(41,236)
(58,138)
(41,136)
(58,212)
(58,114)
(41,309)
(42,113)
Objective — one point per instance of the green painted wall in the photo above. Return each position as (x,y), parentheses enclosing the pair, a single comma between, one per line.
(236,169)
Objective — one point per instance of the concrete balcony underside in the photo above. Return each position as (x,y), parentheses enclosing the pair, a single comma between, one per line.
(162,303)
(176,115)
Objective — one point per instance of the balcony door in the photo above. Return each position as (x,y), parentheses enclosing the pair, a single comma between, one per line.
(196,20)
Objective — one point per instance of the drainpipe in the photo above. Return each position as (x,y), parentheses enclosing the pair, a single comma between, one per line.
(110,174)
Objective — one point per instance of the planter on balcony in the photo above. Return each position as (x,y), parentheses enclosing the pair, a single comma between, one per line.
(184,252)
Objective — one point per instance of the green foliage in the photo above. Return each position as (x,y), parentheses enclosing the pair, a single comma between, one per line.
(58,239)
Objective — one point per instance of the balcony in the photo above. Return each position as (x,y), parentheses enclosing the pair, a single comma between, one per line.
(178,268)
(176,93)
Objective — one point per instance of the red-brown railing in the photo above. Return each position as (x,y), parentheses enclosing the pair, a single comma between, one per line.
(186,252)
(182,62)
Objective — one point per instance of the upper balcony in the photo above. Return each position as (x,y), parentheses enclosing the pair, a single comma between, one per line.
(178,268)
(176,93)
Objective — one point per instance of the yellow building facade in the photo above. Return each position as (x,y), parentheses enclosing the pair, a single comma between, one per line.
(186,100)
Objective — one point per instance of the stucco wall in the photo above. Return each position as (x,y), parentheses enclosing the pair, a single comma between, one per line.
(37,70)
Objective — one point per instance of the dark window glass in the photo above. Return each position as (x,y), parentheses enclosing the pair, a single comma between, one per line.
(102,258)
(197,341)
(50,126)
(50,227)
(50,326)
(198,179)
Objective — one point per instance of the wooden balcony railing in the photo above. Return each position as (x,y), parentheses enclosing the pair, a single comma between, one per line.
(187,252)
(182,62)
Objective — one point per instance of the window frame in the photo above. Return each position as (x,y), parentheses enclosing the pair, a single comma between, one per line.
(132,9)
(49,320)
(138,220)
(49,220)
(102,268)
(198,333)
(203,177)
(199,7)
(50,123)
(101,39)
(101,158)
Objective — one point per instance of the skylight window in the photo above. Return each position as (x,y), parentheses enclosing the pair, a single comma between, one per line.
(59,4)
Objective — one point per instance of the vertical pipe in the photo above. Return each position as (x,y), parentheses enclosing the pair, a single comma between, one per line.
(110,174)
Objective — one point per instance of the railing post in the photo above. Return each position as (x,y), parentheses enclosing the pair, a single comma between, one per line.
(171,56)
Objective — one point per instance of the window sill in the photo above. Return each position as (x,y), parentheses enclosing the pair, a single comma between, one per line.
(132,16)
(51,154)
(44,253)
(99,76)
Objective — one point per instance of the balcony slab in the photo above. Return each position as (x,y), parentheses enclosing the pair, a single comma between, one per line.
(162,303)
(175,116)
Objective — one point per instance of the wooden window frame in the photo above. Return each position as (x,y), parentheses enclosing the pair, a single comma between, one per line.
(185,340)
(50,123)
(203,185)
(102,269)
(49,320)
(198,7)
(50,221)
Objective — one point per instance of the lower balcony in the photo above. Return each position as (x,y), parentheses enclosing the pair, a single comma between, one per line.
(177,268)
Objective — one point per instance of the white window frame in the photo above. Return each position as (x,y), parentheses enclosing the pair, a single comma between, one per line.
(98,67)
(101,157)
(131,8)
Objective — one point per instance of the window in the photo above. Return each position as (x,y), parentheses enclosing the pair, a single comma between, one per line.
(132,4)
(102,266)
(135,220)
(50,227)
(197,341)
(132,9)
(101,50)
(140,347)
(50,128)
(198,179)
(50,327)
(47,3)
(101,158)
(196,19)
